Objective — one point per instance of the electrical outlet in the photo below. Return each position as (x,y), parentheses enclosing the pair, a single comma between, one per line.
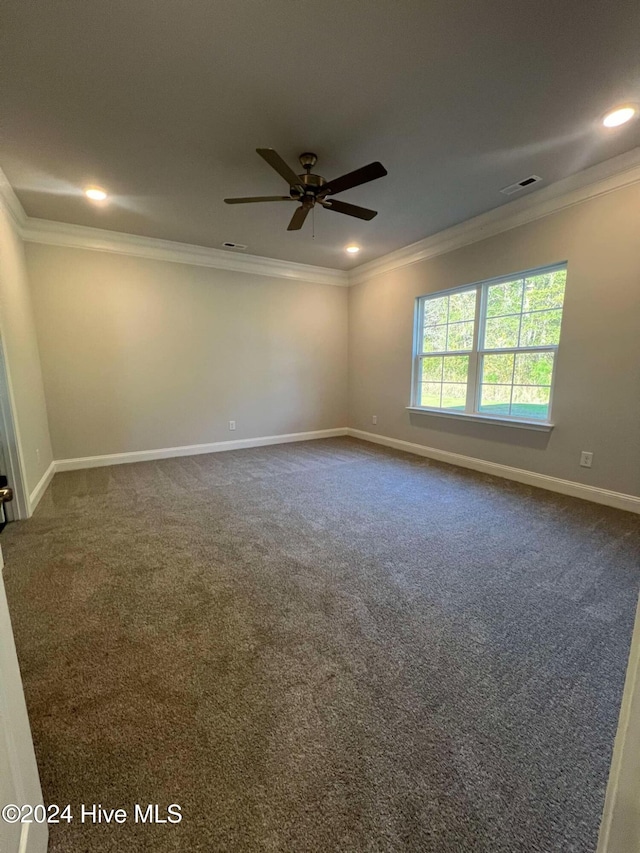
(38,455)
(232,425)
(586,459)
(374,419)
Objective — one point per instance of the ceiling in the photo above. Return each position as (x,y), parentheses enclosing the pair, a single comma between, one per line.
(163,102)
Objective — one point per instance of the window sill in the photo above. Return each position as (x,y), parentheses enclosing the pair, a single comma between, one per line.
(519,423)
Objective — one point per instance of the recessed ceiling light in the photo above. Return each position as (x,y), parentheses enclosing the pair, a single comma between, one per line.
(353,250)
(621,115)
(95,194)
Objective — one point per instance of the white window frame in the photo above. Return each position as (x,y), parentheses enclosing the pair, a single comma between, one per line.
(472,409)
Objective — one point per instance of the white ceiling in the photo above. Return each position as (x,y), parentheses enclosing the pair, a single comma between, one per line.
(163,102)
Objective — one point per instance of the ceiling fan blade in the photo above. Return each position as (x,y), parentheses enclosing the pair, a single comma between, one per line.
(354,179)
(258,198)
(298,218)
(276,162)
(349,209)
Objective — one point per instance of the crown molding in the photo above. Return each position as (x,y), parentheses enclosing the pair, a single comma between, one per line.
(34,230)
(11,203)
(605,177)
(97,239)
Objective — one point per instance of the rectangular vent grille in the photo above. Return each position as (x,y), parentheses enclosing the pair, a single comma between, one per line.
(521,185)
(229,245)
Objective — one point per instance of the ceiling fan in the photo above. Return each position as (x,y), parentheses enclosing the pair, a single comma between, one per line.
(309,189)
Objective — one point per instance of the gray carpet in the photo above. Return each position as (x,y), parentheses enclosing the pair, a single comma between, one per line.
(323,647)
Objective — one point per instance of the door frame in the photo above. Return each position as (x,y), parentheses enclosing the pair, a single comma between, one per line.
(15,732)
(620,827)
(20,507)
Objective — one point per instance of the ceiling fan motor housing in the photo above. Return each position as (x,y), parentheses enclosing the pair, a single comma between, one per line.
(311,183)
(314,182)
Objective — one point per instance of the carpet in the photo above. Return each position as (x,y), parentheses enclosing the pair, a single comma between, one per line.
(324,646)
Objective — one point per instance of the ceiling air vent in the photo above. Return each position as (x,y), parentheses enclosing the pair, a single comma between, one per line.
(229,245)
(521,185)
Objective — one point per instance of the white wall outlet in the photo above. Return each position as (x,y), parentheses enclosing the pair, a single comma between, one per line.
(232,425)
(586,459)
(374,419)
(38,455)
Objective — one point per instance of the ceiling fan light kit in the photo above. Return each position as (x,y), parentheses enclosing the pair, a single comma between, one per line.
(310,189)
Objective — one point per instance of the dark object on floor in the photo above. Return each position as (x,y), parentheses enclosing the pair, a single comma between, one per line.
(323,647)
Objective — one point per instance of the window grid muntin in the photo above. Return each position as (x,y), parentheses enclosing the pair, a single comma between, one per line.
(447,325)
(423,354)
(441,382)
(515,351)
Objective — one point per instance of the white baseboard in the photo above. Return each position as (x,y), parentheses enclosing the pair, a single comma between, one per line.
(192,449)
(631,503)
(40,489)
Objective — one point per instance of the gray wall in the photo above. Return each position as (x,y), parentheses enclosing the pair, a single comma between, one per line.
(597,396)
(140,354)
(22,358)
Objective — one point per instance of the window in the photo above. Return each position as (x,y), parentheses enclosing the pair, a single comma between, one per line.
(490,349)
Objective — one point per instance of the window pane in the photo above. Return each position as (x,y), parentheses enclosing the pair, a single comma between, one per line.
(454,396)
(530,402)
(435,338)
(495,399)
(532,368)
(435,311)
(501,333)
(544,291)
(449,322)
(460,336)
(432,369)
(430,394)
(462,306)
(497,369)
(456,368)
(453,393)
(504,298)
(541,329)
